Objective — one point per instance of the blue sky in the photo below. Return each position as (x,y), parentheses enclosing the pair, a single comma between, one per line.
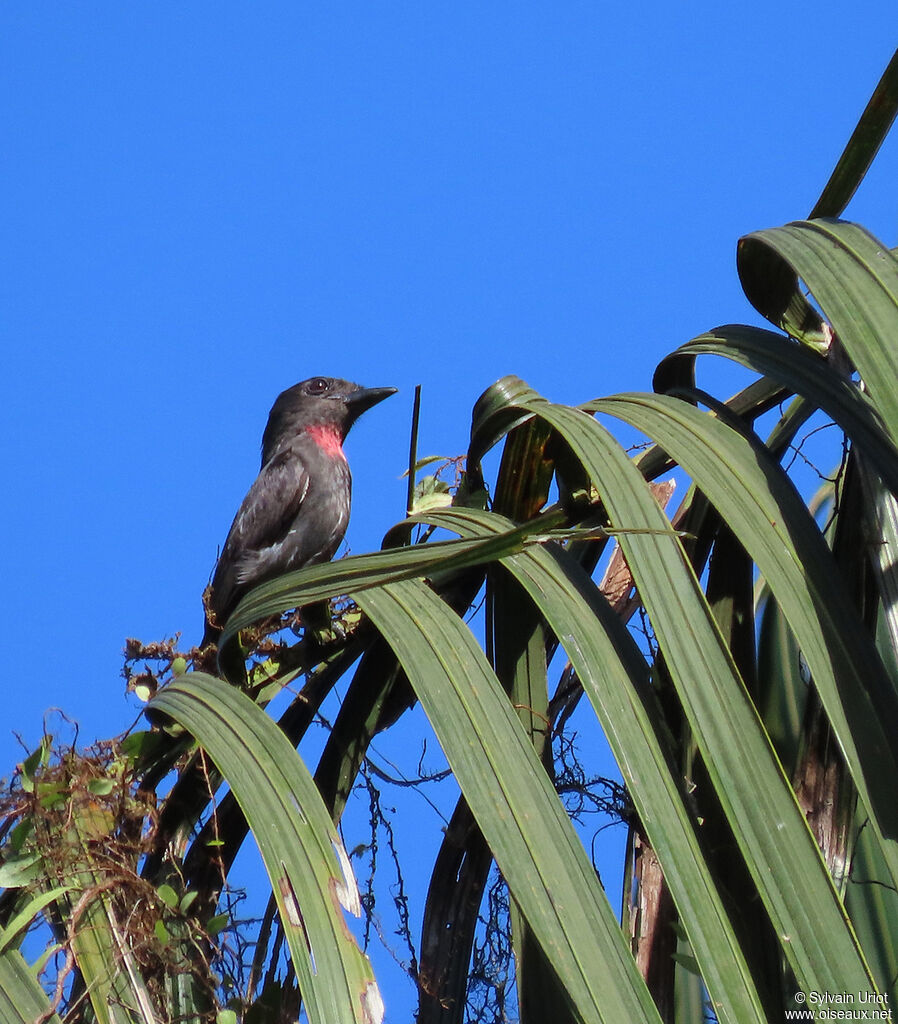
(204,203)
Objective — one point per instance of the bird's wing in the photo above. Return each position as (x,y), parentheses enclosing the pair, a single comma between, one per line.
(262,523)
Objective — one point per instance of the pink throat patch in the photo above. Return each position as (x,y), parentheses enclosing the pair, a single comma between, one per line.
(328,440)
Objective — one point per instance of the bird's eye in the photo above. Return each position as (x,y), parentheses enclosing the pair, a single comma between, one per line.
(317,385)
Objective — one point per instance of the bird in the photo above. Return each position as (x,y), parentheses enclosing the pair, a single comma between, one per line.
(297,510)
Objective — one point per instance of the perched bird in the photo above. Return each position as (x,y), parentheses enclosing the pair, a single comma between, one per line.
(296,512)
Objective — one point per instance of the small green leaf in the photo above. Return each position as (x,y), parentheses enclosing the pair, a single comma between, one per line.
(30,764)
(100,787)
(226,1017)
(217,923)
(428,460)
(161,932)
(49,792)
(143,692)
(143,744)
(168,896)
(18,871)
(429,484)
(179,666)
(187,902)
(436,499)
(38,758)
(19,834)
(349,620)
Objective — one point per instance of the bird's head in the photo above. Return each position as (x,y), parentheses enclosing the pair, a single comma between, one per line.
(326,405)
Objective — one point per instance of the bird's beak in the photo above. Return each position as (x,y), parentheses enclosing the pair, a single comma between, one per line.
(363,399)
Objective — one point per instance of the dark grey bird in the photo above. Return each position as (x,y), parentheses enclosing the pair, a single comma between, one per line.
(296,512)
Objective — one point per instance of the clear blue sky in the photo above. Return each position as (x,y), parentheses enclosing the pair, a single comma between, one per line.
(204,203)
